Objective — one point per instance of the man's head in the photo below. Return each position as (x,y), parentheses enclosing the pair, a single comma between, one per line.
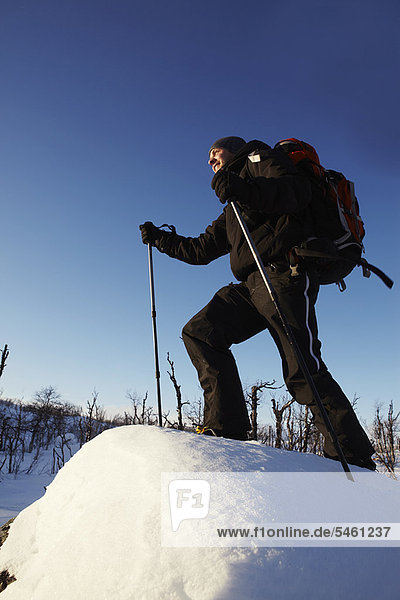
(223,150)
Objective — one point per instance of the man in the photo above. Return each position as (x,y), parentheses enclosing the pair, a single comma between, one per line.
(274,198)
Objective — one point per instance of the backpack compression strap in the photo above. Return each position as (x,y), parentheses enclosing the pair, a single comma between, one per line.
(366,266)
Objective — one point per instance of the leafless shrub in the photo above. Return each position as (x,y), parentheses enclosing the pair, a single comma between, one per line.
(94,421)
(194,413)
(385,437)
(62,451)
(140,414)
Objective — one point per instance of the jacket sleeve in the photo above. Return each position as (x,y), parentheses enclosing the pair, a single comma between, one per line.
(275,185)
(199,250)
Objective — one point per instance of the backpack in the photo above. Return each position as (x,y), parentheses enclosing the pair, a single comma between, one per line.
(336,244)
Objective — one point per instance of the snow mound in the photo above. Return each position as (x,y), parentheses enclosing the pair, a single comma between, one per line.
(96,532)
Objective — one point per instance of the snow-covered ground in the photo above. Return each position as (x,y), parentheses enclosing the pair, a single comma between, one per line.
(19,490)
(96,533)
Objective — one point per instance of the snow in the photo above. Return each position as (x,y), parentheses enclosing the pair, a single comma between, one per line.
(19,491)
(34,475)
(96,532)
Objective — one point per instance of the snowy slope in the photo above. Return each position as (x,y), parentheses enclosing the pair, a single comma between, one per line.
(95,534)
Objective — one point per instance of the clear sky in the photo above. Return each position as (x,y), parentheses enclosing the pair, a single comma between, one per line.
(108,108)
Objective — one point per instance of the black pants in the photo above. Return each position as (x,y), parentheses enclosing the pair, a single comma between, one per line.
(239,311)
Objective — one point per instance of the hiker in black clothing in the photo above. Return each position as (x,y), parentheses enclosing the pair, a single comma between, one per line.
(274,198)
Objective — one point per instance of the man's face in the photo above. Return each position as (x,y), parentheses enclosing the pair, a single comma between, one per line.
(218,157)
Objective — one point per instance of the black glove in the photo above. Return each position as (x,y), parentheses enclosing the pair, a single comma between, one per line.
(150,233)
(228,185)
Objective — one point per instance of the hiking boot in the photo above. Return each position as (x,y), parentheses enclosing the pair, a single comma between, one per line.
(207,431)
(237,435)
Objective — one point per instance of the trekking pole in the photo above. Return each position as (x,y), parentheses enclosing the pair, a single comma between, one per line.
(155,343)
(291,338)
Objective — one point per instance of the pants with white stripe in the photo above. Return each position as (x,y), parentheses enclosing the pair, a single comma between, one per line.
(238,312)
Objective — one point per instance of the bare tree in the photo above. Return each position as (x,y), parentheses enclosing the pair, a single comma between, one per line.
(46,404)
(60,452)
(293,430)
(15,442)
(14,434)
(253,401)
(355,401)
(4,355)
(278,409)
(178,393)
(385,434)
(266,435)
(90,416)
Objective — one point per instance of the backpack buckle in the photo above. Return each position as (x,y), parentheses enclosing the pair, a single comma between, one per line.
(294,270)
(293,262)
(366,271)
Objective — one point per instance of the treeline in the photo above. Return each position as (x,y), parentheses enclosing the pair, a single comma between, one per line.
(294,430)
(48,423)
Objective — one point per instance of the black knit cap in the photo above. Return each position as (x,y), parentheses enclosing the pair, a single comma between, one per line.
(231,143)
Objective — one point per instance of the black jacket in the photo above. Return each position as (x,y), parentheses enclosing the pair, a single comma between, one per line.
(275,211)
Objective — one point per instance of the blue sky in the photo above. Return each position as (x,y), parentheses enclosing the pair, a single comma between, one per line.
(108,109)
